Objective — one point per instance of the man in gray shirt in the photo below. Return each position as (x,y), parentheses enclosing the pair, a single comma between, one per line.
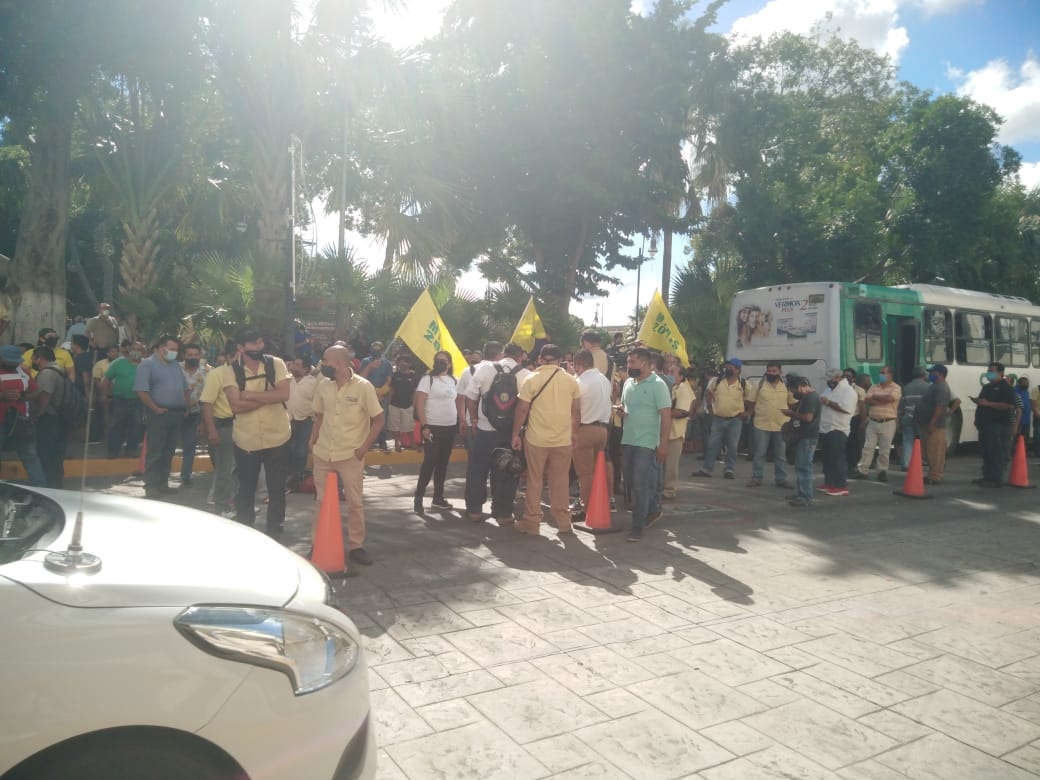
(163,391)
(931,413)
(912,394)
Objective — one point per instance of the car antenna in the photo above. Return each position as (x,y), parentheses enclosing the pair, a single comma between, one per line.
(75,560)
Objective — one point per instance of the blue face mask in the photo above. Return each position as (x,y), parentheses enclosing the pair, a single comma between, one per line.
(991,375)
(171,355)
(933,377)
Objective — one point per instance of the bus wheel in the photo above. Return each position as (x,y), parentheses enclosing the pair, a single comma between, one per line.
(953,433)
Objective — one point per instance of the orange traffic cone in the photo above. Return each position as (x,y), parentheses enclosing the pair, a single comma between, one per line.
(328,554)
(141,458)
(597,513)
(913,485)
(1019,476)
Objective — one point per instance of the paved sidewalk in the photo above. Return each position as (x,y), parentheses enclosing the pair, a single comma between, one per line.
(867,637)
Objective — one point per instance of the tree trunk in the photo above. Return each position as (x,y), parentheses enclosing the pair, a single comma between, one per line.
(37,284)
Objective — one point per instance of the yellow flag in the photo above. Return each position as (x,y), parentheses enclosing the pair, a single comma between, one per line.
(529,328)
(659,331)
(425,333)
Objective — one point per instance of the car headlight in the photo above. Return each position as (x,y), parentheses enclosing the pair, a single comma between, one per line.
(310,651)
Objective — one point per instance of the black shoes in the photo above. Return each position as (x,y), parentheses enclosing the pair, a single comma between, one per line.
(359,555)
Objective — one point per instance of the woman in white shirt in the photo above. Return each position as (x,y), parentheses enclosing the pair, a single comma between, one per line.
(439,422)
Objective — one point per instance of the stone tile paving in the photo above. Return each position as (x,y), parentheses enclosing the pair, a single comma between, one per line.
(863,638)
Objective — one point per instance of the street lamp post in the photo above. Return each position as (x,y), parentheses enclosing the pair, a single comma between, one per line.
(639,268)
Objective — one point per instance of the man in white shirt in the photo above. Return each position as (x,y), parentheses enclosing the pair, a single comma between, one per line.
(594,427)
(464,374)
(486,438)
(838,404)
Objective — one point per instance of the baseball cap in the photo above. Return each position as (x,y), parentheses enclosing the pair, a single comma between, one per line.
(939,368)
(11,354)
(736,362)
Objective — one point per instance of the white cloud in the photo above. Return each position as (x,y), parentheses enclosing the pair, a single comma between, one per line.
(936,7)
(1029,174)
(1012,93)
(874,24)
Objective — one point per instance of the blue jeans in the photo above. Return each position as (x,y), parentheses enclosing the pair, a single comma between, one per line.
(645,475)
(835,464)
(723,431)
(910,433)
(803,467)
(25,446)
(480,467)
(762,441)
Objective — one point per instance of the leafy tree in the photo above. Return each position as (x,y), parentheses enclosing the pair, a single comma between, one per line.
(569,136)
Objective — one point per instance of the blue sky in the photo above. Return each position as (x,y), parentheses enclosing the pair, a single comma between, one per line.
(988,50)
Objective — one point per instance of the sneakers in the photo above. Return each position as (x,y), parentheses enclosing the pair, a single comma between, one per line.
(441,503)
(799,503)
(701,474)
(754,483)
(932,481)
(634,535)
(729,475)
(858,475)
(417,506)
(837,491)
(825,489)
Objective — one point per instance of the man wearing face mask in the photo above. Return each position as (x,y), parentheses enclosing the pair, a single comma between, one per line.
(163,391)
(48,337)
(768,401)
(838,403)
(347,420)
(806,421)
(195,371)
(257,397)
(882,402)
(219,421)
(996,400)
(930,416)
(726,396)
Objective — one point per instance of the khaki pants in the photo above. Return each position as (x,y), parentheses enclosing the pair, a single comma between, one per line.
(590,440)
(934,445)
(553,463)
(878,435)
(671,467)
(351,475)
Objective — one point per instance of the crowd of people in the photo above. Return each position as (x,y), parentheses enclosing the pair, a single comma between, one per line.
(526,420)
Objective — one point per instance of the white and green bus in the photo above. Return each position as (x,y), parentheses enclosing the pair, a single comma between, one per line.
(814,326)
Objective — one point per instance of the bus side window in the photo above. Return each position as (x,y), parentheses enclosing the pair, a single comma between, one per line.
(867,331)
(1034,341)
(938,336)
(974,338)
(1012,341)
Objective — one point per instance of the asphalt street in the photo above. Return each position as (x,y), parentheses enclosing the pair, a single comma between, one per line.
(868,636)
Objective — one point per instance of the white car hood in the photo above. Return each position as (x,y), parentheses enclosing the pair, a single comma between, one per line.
(155,554)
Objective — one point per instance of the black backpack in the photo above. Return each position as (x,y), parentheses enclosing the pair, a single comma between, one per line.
(240,373)
(71,408)
(499,402)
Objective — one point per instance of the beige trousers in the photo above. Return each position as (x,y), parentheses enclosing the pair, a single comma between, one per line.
(351,476)
(590,440)
(554,464)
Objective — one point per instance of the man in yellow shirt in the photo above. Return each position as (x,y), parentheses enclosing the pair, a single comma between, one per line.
(48,337)
(257,390)
(767,401)
(218,420)
(347,419)
(726,396)
(549,402)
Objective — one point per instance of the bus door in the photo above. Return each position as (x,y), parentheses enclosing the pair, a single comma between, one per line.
(904,347)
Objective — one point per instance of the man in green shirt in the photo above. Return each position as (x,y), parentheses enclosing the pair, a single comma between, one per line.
(645,403)
(124,407)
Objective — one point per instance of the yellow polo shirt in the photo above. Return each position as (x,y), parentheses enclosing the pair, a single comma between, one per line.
(213,391)
(684,396)
(268,426)
(549,420)
(346,416)
(769,399)
(62,357)
(728,400)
